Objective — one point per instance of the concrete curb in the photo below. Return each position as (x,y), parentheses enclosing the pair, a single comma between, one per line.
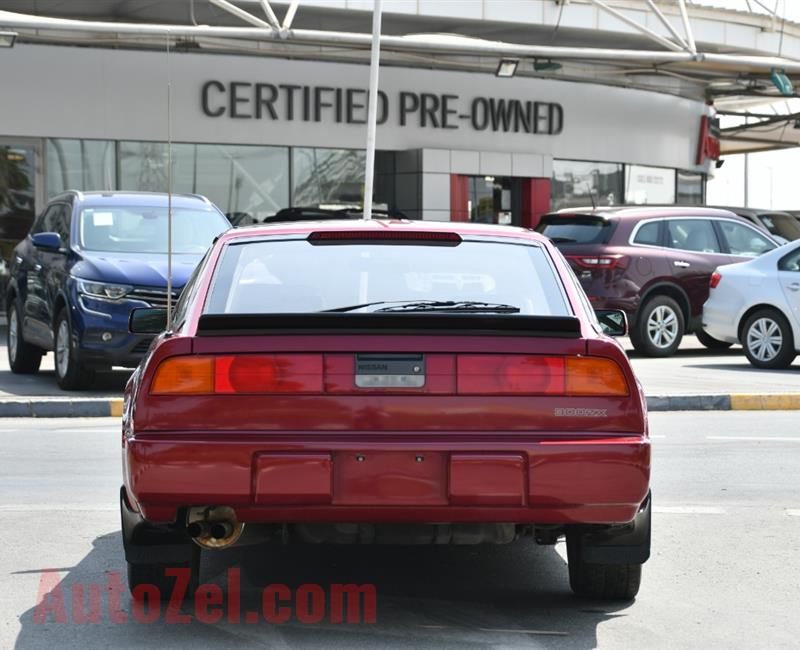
(87,407)
(59,407)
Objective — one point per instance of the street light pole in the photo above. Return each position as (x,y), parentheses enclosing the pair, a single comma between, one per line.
(372,111)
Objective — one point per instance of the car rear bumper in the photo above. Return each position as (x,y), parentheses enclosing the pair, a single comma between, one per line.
(720,323)
(391,478)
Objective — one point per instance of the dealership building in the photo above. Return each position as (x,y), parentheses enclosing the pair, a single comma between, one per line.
(264,118)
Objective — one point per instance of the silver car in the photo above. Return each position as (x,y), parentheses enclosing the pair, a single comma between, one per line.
(757,303)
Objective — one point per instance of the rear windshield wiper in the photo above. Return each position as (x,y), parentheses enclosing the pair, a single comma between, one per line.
(454,306)
(432,305)
(563,240)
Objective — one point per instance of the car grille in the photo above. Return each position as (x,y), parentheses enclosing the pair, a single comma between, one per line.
(142,346)
(154,297)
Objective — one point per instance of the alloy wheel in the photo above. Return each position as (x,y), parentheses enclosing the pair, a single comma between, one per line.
(662,326)
(13,333)
(764,339)
(62,348)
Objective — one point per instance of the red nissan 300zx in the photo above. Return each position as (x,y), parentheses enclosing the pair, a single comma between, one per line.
(386,382)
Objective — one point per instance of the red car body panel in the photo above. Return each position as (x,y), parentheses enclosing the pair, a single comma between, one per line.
(347,454)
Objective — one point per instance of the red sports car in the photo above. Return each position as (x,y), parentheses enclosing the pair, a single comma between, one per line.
(386,382)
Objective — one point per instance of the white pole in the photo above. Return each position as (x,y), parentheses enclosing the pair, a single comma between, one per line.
(169,193)
(372,112)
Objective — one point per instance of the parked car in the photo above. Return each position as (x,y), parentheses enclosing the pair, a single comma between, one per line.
(781,225)
(654,263)
(757,304)
(89,259)
(356,381)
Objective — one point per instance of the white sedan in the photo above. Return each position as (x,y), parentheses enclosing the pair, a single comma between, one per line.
(757,303)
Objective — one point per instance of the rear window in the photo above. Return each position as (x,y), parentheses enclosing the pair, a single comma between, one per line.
(782,225)
(576,229)
(294,276)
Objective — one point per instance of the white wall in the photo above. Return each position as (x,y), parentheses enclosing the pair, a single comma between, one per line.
(120,94)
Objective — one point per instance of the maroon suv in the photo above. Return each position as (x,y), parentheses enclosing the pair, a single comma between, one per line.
(653,263)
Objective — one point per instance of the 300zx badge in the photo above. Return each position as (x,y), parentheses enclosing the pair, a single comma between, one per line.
(581,413)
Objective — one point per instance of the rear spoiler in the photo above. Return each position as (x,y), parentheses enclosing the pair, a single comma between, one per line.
(372,323)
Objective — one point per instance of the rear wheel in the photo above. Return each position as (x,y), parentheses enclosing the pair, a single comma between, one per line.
(600,581)
(710,342)
(70,373)
(768,341)
(23,358)
(659,327)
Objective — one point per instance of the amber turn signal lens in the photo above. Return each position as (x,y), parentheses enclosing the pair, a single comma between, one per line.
(594,376)
(182,375)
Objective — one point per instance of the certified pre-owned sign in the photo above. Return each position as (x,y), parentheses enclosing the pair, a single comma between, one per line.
(290,102)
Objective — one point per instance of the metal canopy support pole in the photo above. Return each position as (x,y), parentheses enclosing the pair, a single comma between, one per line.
(271,17)
(241,13)
(687,27)
(290,12)
(668,24)
(636,25)
(372,112)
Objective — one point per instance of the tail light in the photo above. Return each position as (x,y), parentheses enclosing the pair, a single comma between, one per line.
(599,261)
(477,374)
(715,278)
(539,375)
(239,374)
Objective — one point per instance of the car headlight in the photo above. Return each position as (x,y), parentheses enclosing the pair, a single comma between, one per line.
(103,289)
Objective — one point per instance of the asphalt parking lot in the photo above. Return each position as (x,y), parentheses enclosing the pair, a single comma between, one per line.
(726,556)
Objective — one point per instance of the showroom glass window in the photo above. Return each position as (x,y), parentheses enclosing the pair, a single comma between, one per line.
(248,183)
(327,177)
(645,185)
(690,188)
(575,183)
(86,165)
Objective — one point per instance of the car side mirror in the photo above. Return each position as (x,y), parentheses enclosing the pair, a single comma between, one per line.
(50,241)
(147,320)
(613,322)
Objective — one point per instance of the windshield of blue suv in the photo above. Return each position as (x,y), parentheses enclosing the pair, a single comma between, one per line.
(143,229)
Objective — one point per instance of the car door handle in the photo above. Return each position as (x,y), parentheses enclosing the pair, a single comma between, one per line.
(682,264)
(795,286)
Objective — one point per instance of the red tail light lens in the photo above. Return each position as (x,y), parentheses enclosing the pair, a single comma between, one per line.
(715,278)
(510,375)
(539,375)
(599,261)
(240,374)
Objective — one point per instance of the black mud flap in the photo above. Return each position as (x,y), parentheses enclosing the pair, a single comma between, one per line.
(146,543)
(628,544)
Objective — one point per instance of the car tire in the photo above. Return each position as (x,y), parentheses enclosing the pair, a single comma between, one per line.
(71,374)
(659,327)
(600,581)
(710,342)
(155,575)
(767,340)
(23,358)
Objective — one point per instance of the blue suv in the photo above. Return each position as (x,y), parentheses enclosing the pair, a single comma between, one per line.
(89,259)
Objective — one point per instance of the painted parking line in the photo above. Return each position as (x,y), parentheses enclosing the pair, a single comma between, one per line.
(688,510)
(512,631)
(754,438)
(793,512)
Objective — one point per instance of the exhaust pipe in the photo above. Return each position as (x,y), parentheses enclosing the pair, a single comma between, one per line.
(213,527)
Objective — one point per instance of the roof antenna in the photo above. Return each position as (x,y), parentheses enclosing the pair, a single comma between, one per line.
(169,192)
